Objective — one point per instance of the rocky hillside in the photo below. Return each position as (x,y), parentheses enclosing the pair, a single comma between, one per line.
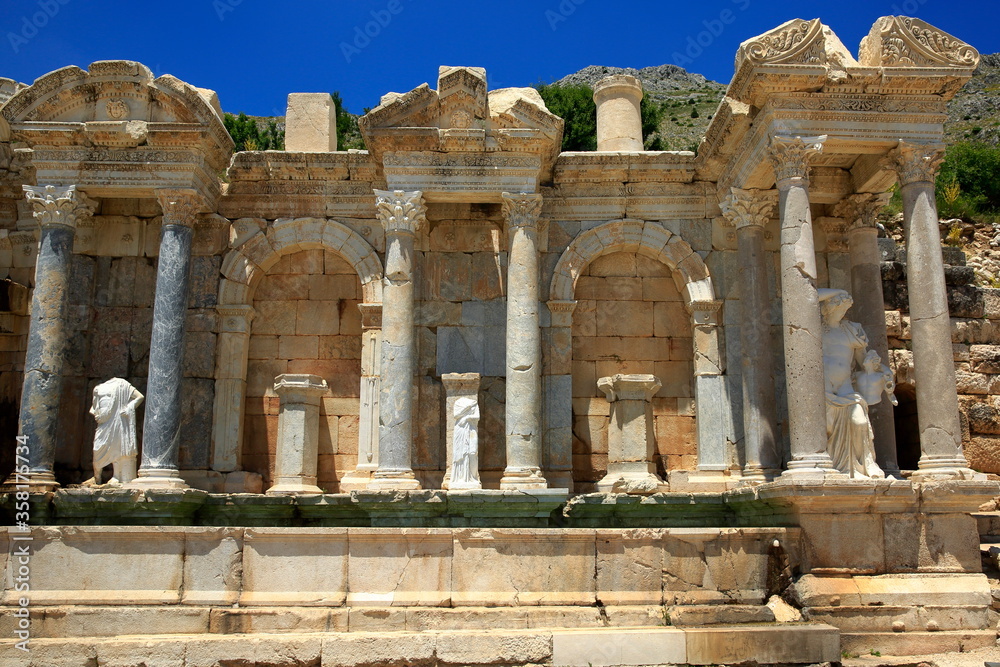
(974,113)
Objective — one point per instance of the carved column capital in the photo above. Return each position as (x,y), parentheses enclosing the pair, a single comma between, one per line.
(746,208)
(180,206)
(521,209)
(58,205)
(916,162)
(861,210)
(401,211)
(235,318)
(371,315)
(790,157)
(836,233)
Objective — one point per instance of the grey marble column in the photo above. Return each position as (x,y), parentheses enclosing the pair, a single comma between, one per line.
(941,455)
(860,211)
(524,345)
(750,211)
(57,210)
(803,326)
(162,426)
(402,214)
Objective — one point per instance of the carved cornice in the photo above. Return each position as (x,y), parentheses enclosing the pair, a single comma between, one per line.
(790,156)
(902,41)
(58,205)
(861,210)
(746,208)
(797,42)
(521,209)
(180,206)
(915,162)
(400,211)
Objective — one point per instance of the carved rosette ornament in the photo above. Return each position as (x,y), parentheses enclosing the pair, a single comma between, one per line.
(797,42)
(745,208)
(55,205)
(180,206)
(790,156)
(521,210)
(401,212)
(902,41)
(915,162)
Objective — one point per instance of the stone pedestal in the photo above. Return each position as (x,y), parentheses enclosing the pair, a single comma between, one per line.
(456,385)
(402,214)
(941,454)
(619,120)
(371,346)
(310,123)
(161,428)
(230,386)
(298,434)
(557,387)
(631,443)
(57,210)
(803,328)
(750,211)
(524,346)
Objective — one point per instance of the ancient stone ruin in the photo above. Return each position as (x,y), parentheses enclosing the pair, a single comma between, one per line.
(624,349)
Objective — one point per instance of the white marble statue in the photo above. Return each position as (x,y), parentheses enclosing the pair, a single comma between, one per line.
(850,439)
(465,448)
(114,407)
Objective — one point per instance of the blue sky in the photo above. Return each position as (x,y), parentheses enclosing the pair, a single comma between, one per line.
(254,52)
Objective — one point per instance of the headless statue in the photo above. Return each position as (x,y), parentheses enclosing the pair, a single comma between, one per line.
(465,446)
(114,407)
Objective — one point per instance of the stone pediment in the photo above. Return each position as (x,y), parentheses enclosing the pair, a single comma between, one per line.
(903,41)
(463,142)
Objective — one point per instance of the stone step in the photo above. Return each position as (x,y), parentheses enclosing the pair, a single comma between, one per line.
(916,643)
(789,644)
(988,524)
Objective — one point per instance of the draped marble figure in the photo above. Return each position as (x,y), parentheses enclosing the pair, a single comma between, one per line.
(849,392)
(114,406)
(465,449)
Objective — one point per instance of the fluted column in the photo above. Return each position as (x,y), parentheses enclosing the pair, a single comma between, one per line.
(802,324)
(750,211)
(941,453)
(162,426)
(860,211)
(524,345)
(402,214)
(57,210)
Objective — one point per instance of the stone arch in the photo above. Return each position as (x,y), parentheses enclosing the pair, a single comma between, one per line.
(645,238)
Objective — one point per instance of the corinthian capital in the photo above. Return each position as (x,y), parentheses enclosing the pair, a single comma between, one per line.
(179,205)
(916,162)
(861,210)
(743,208)
(58,205)
(790,156)
(521,210)
(399,211)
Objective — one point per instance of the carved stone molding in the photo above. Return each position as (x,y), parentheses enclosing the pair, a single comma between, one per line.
(915,162)
(836,233)
(58,205)
(235,318)
(861,210)
(744,208)
(371,315)
(790,156)
(797,42)
(902,41)
(180,206)
(401,211)
(521,210)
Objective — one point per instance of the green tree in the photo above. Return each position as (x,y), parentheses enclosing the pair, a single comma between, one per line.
(248,135)
(968,184)
(575,105)
(348,134)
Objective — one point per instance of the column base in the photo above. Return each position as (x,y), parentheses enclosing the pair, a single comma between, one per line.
(157,479)
(753,475)
(637,484)
(356,480)
(38,482)
(942,468)
(515,479)
(393,480)
(812,466)
(294,488)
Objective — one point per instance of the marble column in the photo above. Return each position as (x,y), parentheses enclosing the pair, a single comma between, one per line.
(801,320)
(402,214)
(456,385)
(941,455)
(524,345)
(371,352)
(57,210)
(750,211)
(557,386)
(232,350)
(162,426)
(297,456)
(860,211)
(631,443)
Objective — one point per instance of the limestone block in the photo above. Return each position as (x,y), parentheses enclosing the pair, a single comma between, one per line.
(491,649)
(351,650)
(624,318)
(213,565)
(582,648)
(107,621)
(831,544)
(508,567)
(404,567)
(629,564)
(295,567)
(796,644)
(985,358)
(318,318)
(310,123)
